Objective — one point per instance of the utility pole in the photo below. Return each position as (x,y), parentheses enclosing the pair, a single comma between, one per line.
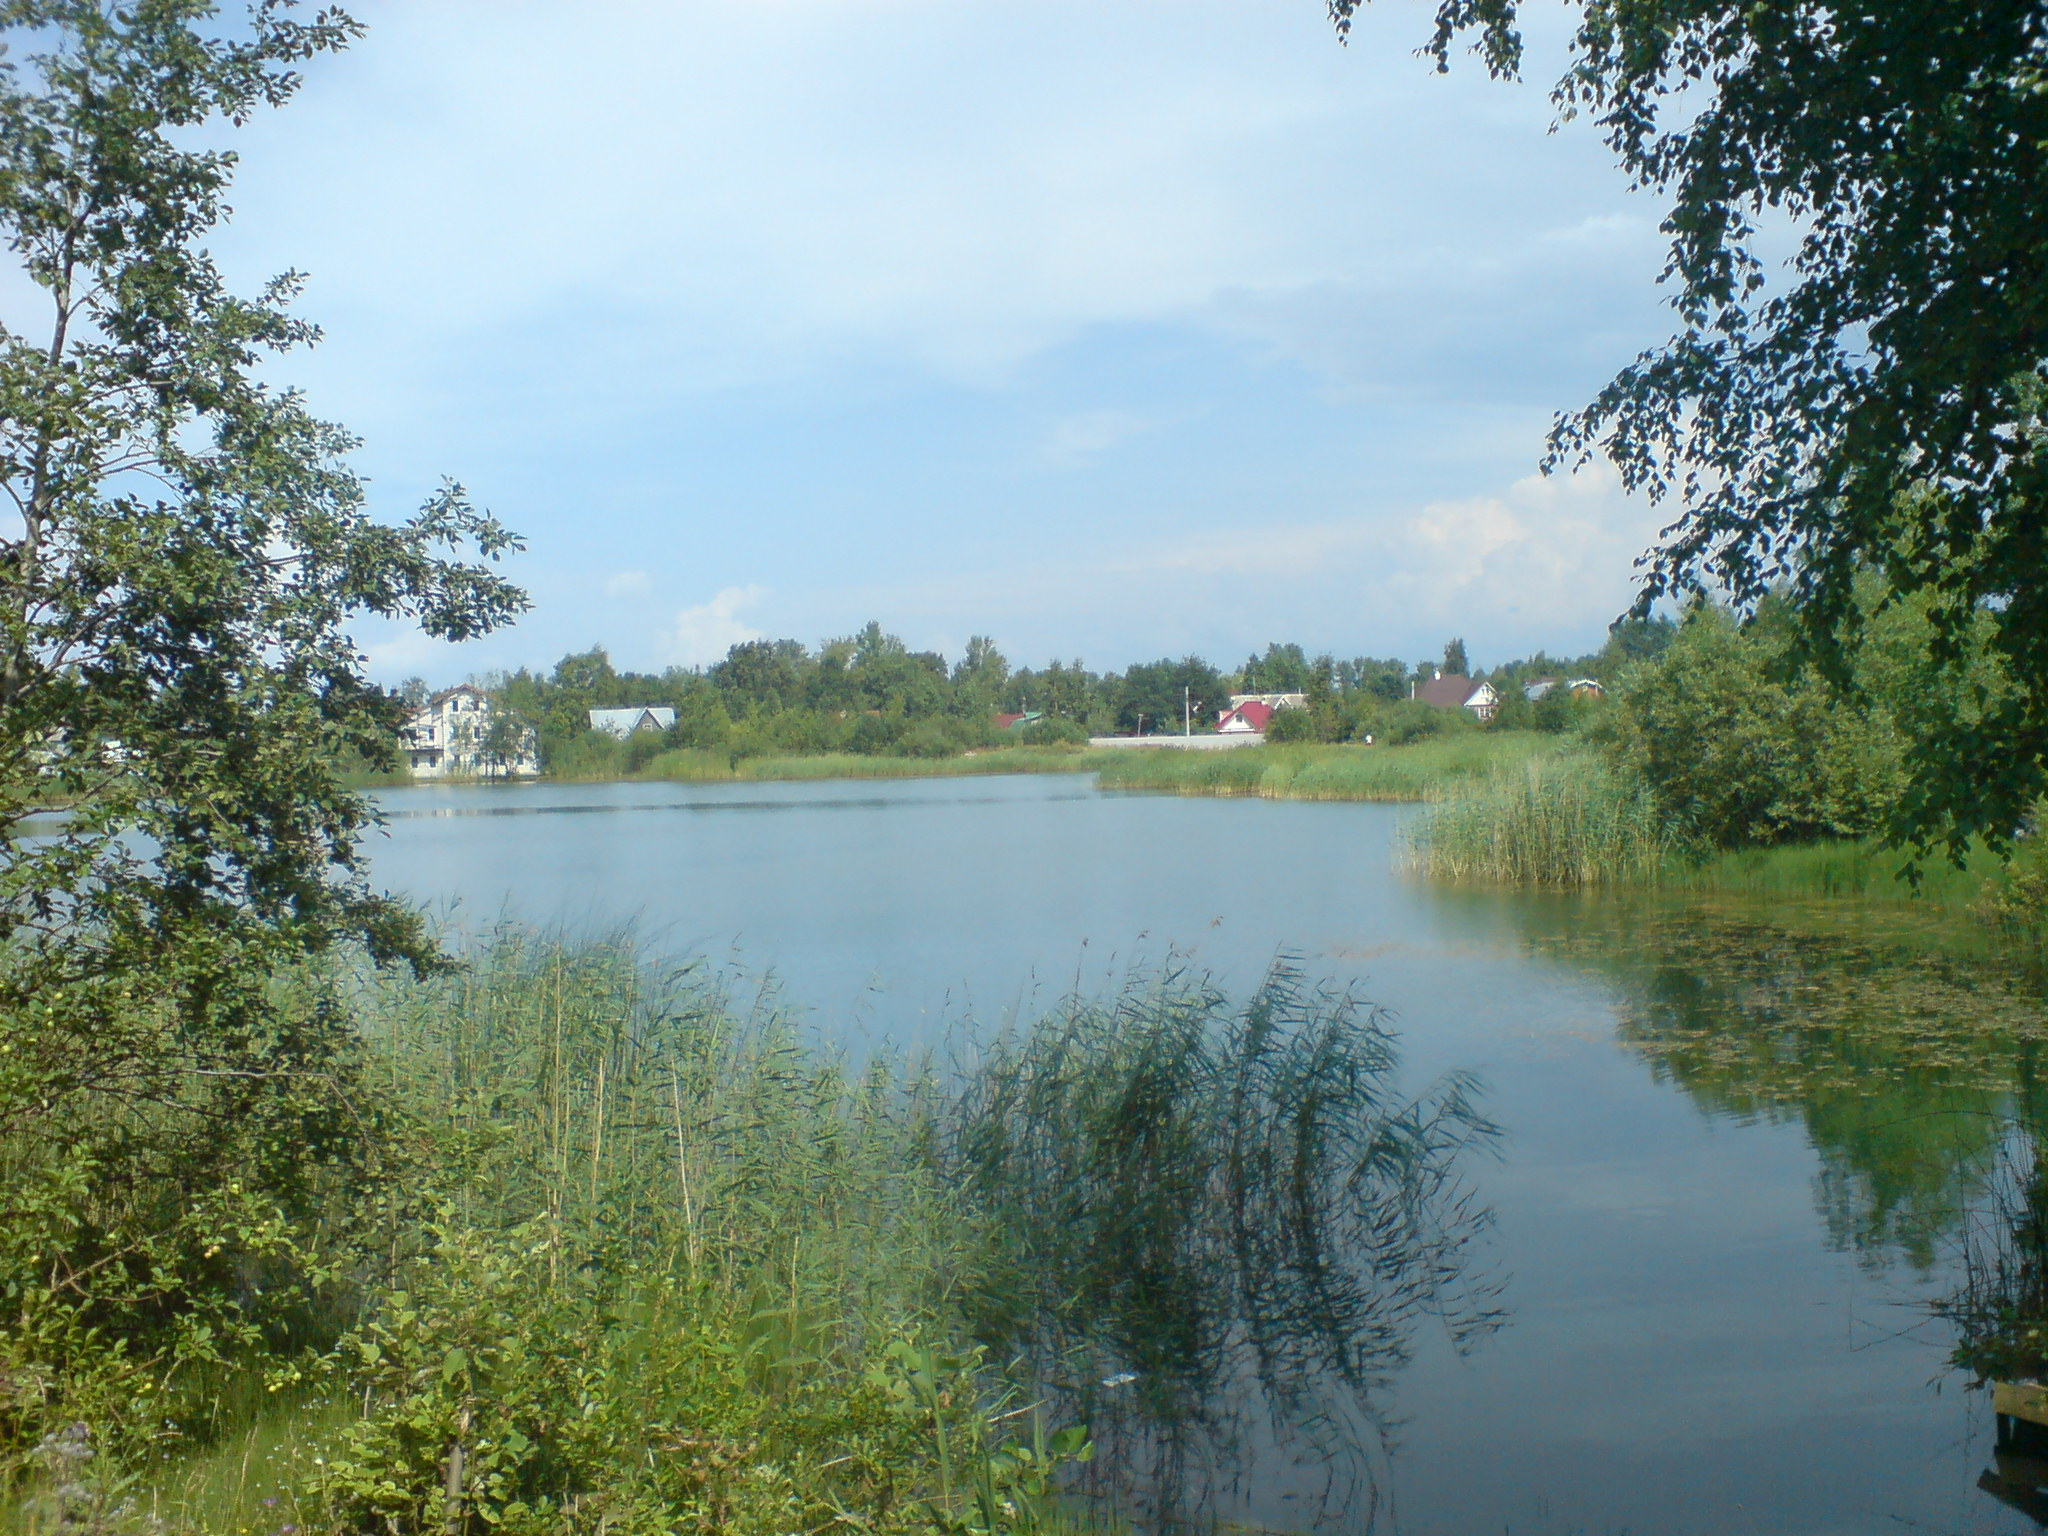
(1187,717)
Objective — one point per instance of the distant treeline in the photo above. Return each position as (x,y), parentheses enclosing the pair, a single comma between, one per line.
(870,693)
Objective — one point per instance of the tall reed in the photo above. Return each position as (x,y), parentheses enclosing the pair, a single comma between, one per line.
(1201,1213)
(1562,821)
(650,1258)
(1414,772)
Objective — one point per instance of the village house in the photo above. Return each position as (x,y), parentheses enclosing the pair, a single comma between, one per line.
(1249,713)
(1239,719)
(1578,688)
(1454,692)
(624,722)
(1272,701)
(450,736)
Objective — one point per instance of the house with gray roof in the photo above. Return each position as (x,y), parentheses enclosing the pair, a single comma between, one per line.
(639,717)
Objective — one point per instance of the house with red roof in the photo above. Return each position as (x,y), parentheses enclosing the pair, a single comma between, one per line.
(1241,719)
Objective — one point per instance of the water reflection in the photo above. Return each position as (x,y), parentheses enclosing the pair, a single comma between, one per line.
(1220,1229)
(1999,1309)
(1902,1068)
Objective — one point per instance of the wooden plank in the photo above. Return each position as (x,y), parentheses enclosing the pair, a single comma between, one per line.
(2020,1400)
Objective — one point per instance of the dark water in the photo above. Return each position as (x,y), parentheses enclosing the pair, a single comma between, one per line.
(1737,1153)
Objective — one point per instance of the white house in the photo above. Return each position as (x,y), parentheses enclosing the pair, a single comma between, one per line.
(624,722)
(449,736)
(1449,691)
(1250,716)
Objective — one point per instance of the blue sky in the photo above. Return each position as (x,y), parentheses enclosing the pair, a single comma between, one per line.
(1110,328)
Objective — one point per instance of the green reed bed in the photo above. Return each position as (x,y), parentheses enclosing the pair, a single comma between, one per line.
(638,1257)
(688,766)
(1559,820)
(1344,772)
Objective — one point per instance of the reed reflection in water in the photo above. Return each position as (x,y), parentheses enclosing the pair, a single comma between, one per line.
(1220,1227)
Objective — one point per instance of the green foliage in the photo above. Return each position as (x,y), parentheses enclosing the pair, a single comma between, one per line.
(1740,744)
(1562,820)
(1407,721)
(1291,725)
(1052,731)
(1882,409)
(1422,771)
(187,1153)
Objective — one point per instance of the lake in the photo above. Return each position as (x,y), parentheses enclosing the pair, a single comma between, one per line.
(1735,1146)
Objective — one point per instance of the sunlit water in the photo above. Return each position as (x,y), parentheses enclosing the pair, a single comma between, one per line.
(1733,1154)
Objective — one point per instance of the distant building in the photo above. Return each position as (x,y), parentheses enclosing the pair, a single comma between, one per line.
(1587,688)
(450,736)
(624,722)
(1454,692)
(1272,701)
(1244,718)
(1008,721)
(1539,690)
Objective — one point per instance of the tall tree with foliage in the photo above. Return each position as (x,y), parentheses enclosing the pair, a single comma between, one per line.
(186,549)
(1882,409)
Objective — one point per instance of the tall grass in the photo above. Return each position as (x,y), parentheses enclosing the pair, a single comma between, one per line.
(1415,772)
(696,767)
(1206,1215)
(649,1258)
(1563,820)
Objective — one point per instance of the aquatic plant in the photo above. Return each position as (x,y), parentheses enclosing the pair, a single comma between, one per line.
(1404,773)
(1195,1205)
(649,1257)
(1567,820)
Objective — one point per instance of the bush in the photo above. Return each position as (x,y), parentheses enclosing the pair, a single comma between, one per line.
(1410,720)
(1051,731)
(928,739)
(1291,725)
(1740,747)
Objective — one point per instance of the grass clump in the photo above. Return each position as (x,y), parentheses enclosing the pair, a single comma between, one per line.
(633,1257)
(690,766)
(1559,821)
(1417,771)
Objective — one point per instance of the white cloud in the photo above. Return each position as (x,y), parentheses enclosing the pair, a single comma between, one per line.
(628,583)
(703,634)
(1543,564)
(1079,440)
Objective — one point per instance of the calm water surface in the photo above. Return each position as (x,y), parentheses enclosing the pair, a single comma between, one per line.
(1734,1154)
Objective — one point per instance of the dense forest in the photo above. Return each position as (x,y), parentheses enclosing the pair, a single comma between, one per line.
(871,693)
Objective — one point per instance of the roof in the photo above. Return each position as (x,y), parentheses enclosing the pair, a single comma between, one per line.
(449,693)
(1447,691)
(1253,712)
(636,717)
(1007,721)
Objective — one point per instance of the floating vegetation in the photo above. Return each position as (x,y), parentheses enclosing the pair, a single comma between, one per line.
(1902,1067)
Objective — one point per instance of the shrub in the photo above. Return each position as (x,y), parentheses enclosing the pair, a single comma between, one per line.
(1051,731)
(1291,725)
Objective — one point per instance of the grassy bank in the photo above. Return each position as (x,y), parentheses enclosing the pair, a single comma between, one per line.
(1422,771)
(716,767)
(1568,821)
(641,1259)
